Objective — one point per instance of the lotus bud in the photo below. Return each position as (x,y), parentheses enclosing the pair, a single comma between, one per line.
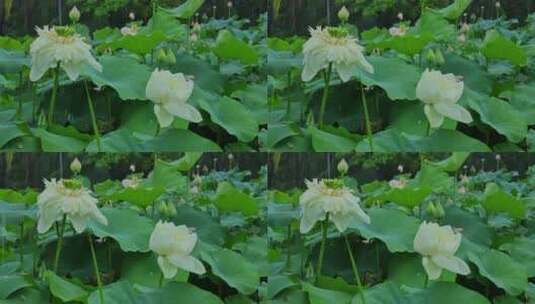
(161,56)
(498,4)
(170,58)
(229,4)
(440,210)
(132,16)
(76,166)
(431,209)
(439,57)
(343,14)
(342,167)
(74,14)
(400,16)
(132,168)
(430,56)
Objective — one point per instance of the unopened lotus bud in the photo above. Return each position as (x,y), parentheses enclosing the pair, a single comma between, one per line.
(430,56)
(343,14)
(342,167)
(132,168)
(132,16)
(171,209)
(400,168)
(498,157)
(400,16)
(439,57)
(161,56)
(498,4)
(431,209)
(440,211)
(74,14)
(229,4)
(76,166)
(230,157)
(170,58)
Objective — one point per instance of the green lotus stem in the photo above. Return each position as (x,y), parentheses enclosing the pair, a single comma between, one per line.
(95,266)
(288,252)
(355,270)
(60,232)
(93,116)
(324,226)
(54,96)
(423,5)
(426,282)
(160,283)
(367,118)
(428,131)
(21,243)
(327,78)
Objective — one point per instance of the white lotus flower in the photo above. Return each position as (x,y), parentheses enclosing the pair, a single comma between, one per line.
(131,30)
(70,198)
(333,198)
(170,93)
(132,182)
(398,31)
(333,45)
(438,244)
(440,93)
(173,245)
(60,45)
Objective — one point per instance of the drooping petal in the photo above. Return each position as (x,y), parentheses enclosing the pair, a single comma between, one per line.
(342,220)
(184,111)
(310,215)
(165,119)
(435,119)
(47,218)
(433,271)
(451,263)
(72,70)
(187,263)
(344,71)
(168,269)
(454,111)
(78,223)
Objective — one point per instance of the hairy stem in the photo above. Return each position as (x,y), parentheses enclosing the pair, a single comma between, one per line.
(60,231)
(327,78)
(355,270)
(97,271)
(324,226)
(367,118)
(54,96)
(93,116)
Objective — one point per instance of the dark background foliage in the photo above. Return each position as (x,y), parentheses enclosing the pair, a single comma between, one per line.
(295,16)
(23,15)
(292,169)
(22,170)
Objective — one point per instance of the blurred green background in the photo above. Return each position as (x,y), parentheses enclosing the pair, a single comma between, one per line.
(288,18)
(22,170)
(19,17)
(289,170)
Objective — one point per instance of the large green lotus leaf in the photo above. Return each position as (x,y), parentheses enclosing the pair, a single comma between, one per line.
(232,267)
(434,25)
(393,75)
(11,283)
(442,140)
(280,62)
(11,131)
(323,141)
(167,175)
(384,293)
(522,98)
(229,114)
(502,270)
(230,199)
(447,293)
(473,227)
(499,114)
(121,292)
(143,269)
(188,161)
(207,228)
(165,23)
(176,292)
(14,213)
(140,44)
(52,142)
(395,228)
(254,98)
(434,178)
(496,201)
(230,47)
(139,118)
(141,196)
(278,283)
(409,196)
(278,132)
(407,270)
(9,43)
(409,44)
(496,46)
(131,230)
(27,296)
(27,197)
(452,163)
(128,77)
(174,140)
(454,10)
(186,10)
(65,290)
(120,140)
(521,250)
(205,76)
(474,76)
(12,61)
(318,295)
